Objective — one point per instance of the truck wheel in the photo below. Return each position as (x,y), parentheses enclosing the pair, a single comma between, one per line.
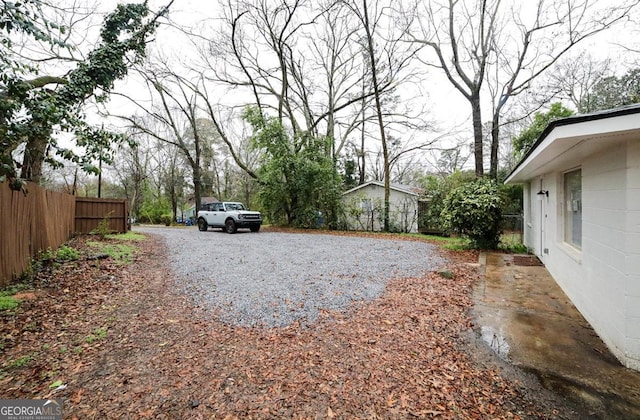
(254,228)
(230,226)
(202,225)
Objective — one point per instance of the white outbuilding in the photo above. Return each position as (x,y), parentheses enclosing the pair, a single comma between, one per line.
(364,205)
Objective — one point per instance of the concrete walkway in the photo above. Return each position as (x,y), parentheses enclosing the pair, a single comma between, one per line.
(528,321)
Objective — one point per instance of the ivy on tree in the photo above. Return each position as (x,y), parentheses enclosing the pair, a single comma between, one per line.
(33,107)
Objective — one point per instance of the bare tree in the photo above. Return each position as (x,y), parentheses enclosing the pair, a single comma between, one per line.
(386,59)
(173,173)
(188,116)
(370,28)
(255,48)
(340,58)
(308,64)
(511,42)
(453,159)
(305,64)
(132,167)
(173,121)
(461,34)
(575,76)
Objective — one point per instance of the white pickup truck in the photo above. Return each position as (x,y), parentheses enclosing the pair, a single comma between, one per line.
(230,216)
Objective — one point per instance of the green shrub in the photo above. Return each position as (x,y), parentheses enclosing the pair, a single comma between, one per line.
(129,236)
(437,189)
(475,210)
(66,253)
(122,253)
(103,227)
(19,362)
(8,302)
(46,255)
(297,178)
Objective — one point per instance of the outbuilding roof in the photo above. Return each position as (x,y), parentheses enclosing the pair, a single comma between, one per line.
(407,189)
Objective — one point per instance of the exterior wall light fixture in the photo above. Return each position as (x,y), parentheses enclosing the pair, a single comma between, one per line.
(542,193)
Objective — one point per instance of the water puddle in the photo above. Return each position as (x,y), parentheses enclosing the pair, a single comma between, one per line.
(496,341)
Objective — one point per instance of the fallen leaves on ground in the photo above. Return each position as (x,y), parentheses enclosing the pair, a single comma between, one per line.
(126,344)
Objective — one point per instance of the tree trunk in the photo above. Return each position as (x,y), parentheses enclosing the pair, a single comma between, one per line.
(383,138)
(75,182)
(173,193)
(197,188)
(174,206)
(331,122)
(495,144)
(138,196)
(477,134)
(34,154)
(361,155)
(247,192)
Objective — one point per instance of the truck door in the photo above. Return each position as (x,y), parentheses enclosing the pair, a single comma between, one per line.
(217,214)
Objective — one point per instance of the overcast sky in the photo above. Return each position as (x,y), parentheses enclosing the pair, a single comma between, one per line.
(446,101)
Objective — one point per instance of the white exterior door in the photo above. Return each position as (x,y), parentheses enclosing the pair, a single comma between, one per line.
(543,200)
(542,230)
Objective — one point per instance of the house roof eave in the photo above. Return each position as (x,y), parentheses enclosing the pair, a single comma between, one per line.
(550,136)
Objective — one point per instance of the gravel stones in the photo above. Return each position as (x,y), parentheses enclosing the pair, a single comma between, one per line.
(272,279)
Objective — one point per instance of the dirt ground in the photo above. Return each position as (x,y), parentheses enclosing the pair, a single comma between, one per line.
(117,341)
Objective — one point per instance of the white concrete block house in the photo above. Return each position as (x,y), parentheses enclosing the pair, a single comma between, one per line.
(582,218)
(363,207)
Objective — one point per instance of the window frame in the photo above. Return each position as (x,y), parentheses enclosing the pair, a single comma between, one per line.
(569,225)
(366,204)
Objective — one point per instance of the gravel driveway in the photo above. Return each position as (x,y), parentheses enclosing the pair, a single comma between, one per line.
(272,279)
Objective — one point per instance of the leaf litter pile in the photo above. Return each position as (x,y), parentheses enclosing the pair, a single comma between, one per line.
(115,340)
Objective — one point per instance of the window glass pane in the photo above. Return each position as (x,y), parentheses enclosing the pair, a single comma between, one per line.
(573,208)
(366,204)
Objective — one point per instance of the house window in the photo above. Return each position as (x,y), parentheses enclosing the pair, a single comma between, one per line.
(366,205)
(573,208)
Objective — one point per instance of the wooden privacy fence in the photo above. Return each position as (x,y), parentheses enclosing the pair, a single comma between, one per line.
(31,223)
(90,212)
(44,219)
